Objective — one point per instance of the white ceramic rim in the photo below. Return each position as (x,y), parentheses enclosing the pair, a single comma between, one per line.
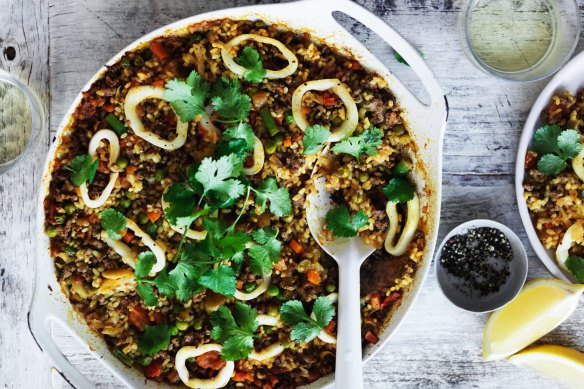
(426,121)
(571,78)
(477,223)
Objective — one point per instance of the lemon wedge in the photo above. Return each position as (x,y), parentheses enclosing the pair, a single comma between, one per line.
(541,306)
(561,363)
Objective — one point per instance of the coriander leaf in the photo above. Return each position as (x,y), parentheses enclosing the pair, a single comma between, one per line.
(233,243)
(545,139)
(293,312)
(569,144)
(187,98)
(184,278)
(280,204)
(551,165)
(266,253)
(220,279)
(236,146)
(113,222)
(147,293)
(576,266)
(217,176)
(305,331)
(164,284)
(304,328)
(146,261)
(249,58)
(228,101)
(241,131)
(235,330)
(237,261)
(83,169)
(154,339)
(399,190)
(365,143)
(314,137)
(323,310)
(338,221)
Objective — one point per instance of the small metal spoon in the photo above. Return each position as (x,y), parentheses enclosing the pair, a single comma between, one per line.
(349,254)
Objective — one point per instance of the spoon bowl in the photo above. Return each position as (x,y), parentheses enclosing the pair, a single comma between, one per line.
(349,254)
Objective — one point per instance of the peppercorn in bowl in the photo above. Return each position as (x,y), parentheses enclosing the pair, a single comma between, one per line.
(174,205)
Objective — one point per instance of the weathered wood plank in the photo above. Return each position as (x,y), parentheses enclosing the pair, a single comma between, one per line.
(23,53)
(438,345)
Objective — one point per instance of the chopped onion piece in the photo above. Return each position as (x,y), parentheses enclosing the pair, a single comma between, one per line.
(240,71)
(129,256)
(258,158)
(134,97)
(574,234)
(325,336)
(191,234)
(220,380)
(335,85)
(407,234)
(261,288)
(114,147)
(272,350)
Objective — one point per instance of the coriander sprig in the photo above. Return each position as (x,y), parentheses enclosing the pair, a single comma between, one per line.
(305,328)
(249,58)
(365,143)
(339,222)
(235,330)
(398,190)
(82,169)
(556,147)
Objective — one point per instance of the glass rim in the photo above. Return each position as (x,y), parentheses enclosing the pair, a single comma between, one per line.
(37,115)
(473,57)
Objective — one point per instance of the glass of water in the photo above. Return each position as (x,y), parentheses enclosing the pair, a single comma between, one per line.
(22,121)
(520,40)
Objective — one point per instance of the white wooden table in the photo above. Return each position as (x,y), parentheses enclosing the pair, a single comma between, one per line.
(60,44)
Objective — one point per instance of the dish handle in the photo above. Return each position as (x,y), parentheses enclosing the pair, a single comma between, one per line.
(438,106)
(39,321)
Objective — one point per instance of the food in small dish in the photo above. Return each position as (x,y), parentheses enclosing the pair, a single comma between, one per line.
(554,182)
(176,204)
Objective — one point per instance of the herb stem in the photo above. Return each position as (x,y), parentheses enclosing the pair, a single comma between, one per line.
(243,208)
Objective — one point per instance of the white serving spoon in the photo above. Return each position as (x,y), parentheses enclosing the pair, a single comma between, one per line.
(349,254)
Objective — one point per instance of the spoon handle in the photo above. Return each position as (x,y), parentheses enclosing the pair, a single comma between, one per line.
(349,363)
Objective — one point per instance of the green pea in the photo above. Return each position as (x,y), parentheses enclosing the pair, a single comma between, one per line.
(398,129)
(273,310)
(278,138)
(126,63)
(52,231)
(344,172)
(177,309)
(122,162)
(70,251)
(138,61)
(285,343)
(289,117)
(337,121)
(402,168)
(330,288)
(268,330)
(198,324)
(130,195)
(182,325)
(270,146)
(125,203)
(142,218)
(249,287)
(152,229)
(363,177)
(60,219)
(288,218)
(173,330)
(273,291)
(159,175)
(70,208)
(144,360)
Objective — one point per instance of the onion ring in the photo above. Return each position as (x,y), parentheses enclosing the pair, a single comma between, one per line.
(350,123)
(325,336)
(134,97)
(191,234)
(272,350)
(258,158)
(261,288)
(578,165)
(220,380)
(409,230)
(114,147)
(240,71)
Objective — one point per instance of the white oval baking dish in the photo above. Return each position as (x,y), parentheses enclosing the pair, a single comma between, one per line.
(570,78)
(427,122)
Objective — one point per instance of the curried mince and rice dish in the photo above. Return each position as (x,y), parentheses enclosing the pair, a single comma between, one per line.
(176,206)
(554,182)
